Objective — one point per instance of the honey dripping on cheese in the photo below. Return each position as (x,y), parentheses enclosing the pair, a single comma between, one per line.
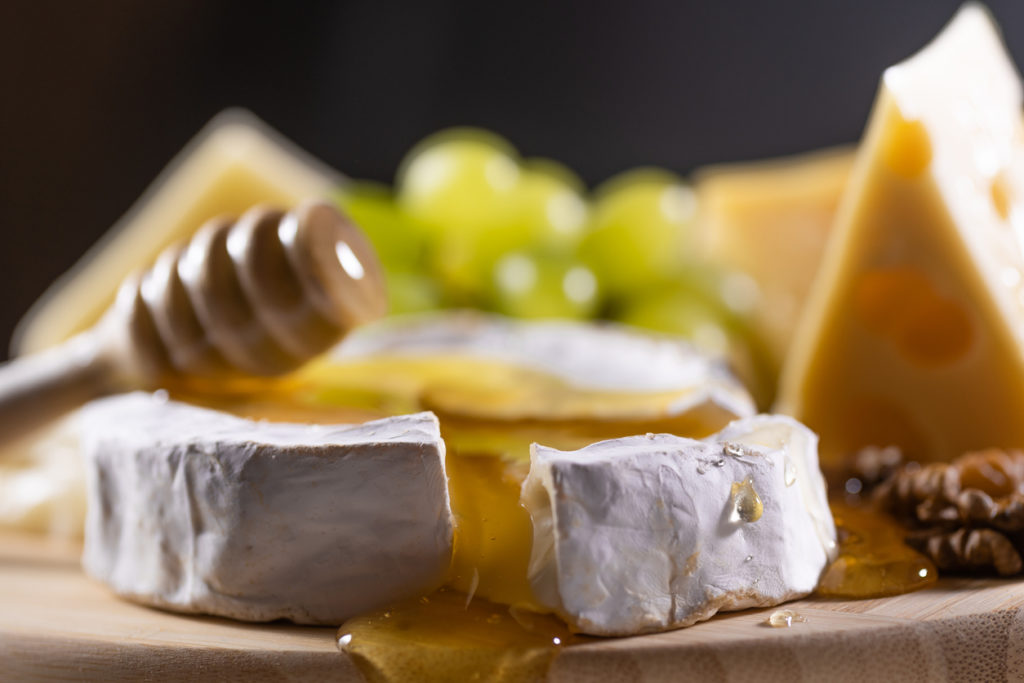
(467,631)
(746,504)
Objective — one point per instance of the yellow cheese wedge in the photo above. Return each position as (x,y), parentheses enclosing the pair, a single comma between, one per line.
(771,219)
(235,162)
(914,335)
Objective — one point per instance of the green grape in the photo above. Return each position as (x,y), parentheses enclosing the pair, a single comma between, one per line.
(549,205)
(460,184)
(455,178)
(543,285)
(396,237)
(547,212)
(640,230)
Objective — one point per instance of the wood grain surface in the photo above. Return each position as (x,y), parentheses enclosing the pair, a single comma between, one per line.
(57,624)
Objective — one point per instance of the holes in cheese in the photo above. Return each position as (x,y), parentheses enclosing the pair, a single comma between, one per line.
(903,306)
(874,419)
(905,147)
(1000,191)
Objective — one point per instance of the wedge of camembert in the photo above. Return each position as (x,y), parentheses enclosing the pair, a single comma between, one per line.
(198,511)
(649,533)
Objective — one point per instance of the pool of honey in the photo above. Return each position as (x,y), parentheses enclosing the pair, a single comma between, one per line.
(873,560)
(485,623)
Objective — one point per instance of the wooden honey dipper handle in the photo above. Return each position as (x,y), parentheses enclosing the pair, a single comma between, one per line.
(257,296)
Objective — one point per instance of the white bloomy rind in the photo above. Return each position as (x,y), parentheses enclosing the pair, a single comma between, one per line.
(198,511)
(640,534)
(578,353)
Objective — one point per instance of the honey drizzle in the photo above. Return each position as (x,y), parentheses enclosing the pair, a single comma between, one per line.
(456,633)
(873,560)
(448,637)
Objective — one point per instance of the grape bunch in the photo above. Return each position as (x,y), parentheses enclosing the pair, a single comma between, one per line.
(470,223)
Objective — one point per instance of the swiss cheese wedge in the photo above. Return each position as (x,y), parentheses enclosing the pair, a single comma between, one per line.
(914,335)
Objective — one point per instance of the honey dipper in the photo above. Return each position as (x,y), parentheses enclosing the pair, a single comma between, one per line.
(259,296)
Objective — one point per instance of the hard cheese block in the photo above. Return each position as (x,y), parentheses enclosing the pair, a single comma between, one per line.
(914,334)
(198,511)
(234,163)
(771,220)
(648,533)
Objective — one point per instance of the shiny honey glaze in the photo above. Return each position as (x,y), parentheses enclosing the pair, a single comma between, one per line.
(485,624)
(448,636)
(873,560)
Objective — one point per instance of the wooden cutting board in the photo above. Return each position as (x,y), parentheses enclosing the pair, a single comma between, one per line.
(57,624)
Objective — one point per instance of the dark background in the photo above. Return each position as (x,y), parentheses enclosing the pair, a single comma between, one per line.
(96,96)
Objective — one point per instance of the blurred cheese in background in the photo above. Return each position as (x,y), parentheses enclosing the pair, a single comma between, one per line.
(42,483)
(235,162)
(771,219)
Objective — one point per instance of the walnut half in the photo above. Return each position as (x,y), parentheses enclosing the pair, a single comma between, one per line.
(967,515)
(966,550)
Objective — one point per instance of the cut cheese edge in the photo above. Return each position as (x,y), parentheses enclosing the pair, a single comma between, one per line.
(198,511)
(654,532)
(771,220)
(914,336)
(233,164)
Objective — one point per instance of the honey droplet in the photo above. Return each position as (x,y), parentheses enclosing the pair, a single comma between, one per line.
(788,471)
(735,450)
(746,504)
(784,618)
